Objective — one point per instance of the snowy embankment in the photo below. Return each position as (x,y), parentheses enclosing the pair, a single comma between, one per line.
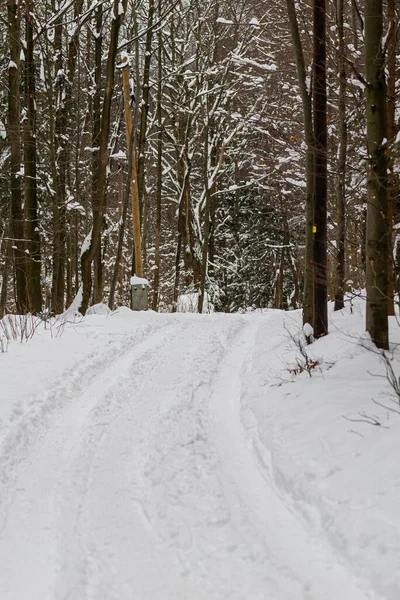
(173,457)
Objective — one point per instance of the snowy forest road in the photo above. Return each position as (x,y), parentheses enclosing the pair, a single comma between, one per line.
(141,476)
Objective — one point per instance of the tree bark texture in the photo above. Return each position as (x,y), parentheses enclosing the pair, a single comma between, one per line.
(391,134)
(305,94)
(30,154)
(320,172)
(14,135)
(377,239)
(100,186)
(341,166)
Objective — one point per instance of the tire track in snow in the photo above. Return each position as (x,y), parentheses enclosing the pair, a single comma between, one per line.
(34,448)
(250,487)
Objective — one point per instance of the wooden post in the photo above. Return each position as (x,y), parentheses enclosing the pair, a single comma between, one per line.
(134,183)
(140,293)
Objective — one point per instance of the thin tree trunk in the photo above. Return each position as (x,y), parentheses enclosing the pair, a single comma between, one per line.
(31,203)
(121,230)
(341,167)
(207,207)
(320,172)
(96,160)
(5,275)
(377,242)
(156,281)
(133,174)
(144,108)
(14,135)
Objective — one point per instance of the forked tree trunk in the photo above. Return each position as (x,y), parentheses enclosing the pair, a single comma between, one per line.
(377,242)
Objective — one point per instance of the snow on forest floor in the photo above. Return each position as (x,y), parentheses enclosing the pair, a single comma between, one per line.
(170,457)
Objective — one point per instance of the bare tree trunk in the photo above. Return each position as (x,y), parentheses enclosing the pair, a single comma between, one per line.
(96,159)
(391,129)
(341,174)
(207,207)
(14,134)
(100,191)
(31,204)
(121,230)
(59,157)
(305,93)
(144,107)
(320,172)
(156,281)
(377,242)
(5,275)
(130,133)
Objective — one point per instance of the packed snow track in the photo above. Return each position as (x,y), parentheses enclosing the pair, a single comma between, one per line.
(137,473)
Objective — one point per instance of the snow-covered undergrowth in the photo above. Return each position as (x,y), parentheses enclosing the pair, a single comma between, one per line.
(155,456)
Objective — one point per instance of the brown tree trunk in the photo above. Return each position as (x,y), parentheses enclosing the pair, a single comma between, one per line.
(121,229)
(309,139)
(377,242)
(144,107)
(341,167)
(14,135)
(391,130)
(96,160)
(89,253)
(5,275)
(157,242)
(31,203)
(320,172)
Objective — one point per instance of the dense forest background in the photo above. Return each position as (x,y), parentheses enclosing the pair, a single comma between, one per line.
(219,108)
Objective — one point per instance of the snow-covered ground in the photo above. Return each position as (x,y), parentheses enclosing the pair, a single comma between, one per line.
(169,457)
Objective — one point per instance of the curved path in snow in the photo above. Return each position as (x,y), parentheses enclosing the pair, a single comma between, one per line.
(134,478)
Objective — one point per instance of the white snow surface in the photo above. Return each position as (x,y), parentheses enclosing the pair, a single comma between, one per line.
(135,280)
(155,456)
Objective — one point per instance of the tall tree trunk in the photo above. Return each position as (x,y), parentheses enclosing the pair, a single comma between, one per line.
(96,161)
(207,209)
(305,94)
(377,242)
(320,172)
(89,253)
(14,135)
(65,74)
(130,142)
(122,223)
(144,107)
(59,157)
(31,203)
(341,167)
(391,133)
(157,242)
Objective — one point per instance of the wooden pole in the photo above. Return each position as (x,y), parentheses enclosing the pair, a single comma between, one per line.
(134,183)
